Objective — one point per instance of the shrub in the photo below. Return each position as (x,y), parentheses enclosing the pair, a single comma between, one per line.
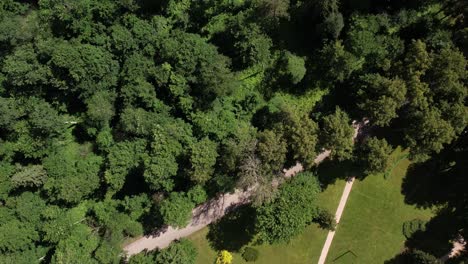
(412,226)
(250,254)
(326,220)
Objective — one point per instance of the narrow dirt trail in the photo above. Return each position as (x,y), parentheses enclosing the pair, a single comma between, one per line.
(211,211)
(458,246)
(339,212)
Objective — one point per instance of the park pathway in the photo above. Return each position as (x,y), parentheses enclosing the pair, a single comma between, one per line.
(339,212)
(214,209)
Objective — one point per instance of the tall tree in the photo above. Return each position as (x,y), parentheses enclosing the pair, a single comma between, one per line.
(338,135)
(288,214)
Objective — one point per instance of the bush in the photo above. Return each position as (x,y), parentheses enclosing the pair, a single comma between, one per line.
(411,227)
(250,254)
(326,220)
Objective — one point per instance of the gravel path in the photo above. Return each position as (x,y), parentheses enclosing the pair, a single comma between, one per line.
(209,212)
(339,212)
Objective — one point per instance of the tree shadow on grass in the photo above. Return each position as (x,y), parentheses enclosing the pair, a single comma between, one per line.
(424,187)
(234,230)
(329,171)
(435,239)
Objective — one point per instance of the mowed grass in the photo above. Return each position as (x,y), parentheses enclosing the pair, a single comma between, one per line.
(371,226)
(304,248)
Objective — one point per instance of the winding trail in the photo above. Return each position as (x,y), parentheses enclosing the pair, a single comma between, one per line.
(339,212)
(213,210)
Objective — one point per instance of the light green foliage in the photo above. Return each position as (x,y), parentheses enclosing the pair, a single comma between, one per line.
(142,258)
(78,248)
(293,209)
(116,223)
(62,223)
(197,194)
(73,173)
(219,122)
(176,209)
(24,257)
(375,155)
(29,176)
(28,208)
(17,236)
(299,105)
(177,11)
(137,205)
(338,135)
(203,156)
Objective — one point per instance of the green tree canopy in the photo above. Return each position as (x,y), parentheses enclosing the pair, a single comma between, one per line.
(338,135)
(292,210)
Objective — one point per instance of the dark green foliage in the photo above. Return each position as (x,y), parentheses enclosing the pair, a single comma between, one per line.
(413,226)
(203,158)
(291,67)
(250,254)
(289,213)
(382,98)
(271,150)
(326,220)
(374,155)
(179,252)
(414,257)
(338,135)
(119,115)
(122,159)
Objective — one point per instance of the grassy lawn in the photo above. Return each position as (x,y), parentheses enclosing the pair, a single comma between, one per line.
(371,226)
(303,248)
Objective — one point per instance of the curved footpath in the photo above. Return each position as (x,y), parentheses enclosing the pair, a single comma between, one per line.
(211,211)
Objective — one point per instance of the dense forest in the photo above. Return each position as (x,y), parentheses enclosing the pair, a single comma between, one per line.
(120,116)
